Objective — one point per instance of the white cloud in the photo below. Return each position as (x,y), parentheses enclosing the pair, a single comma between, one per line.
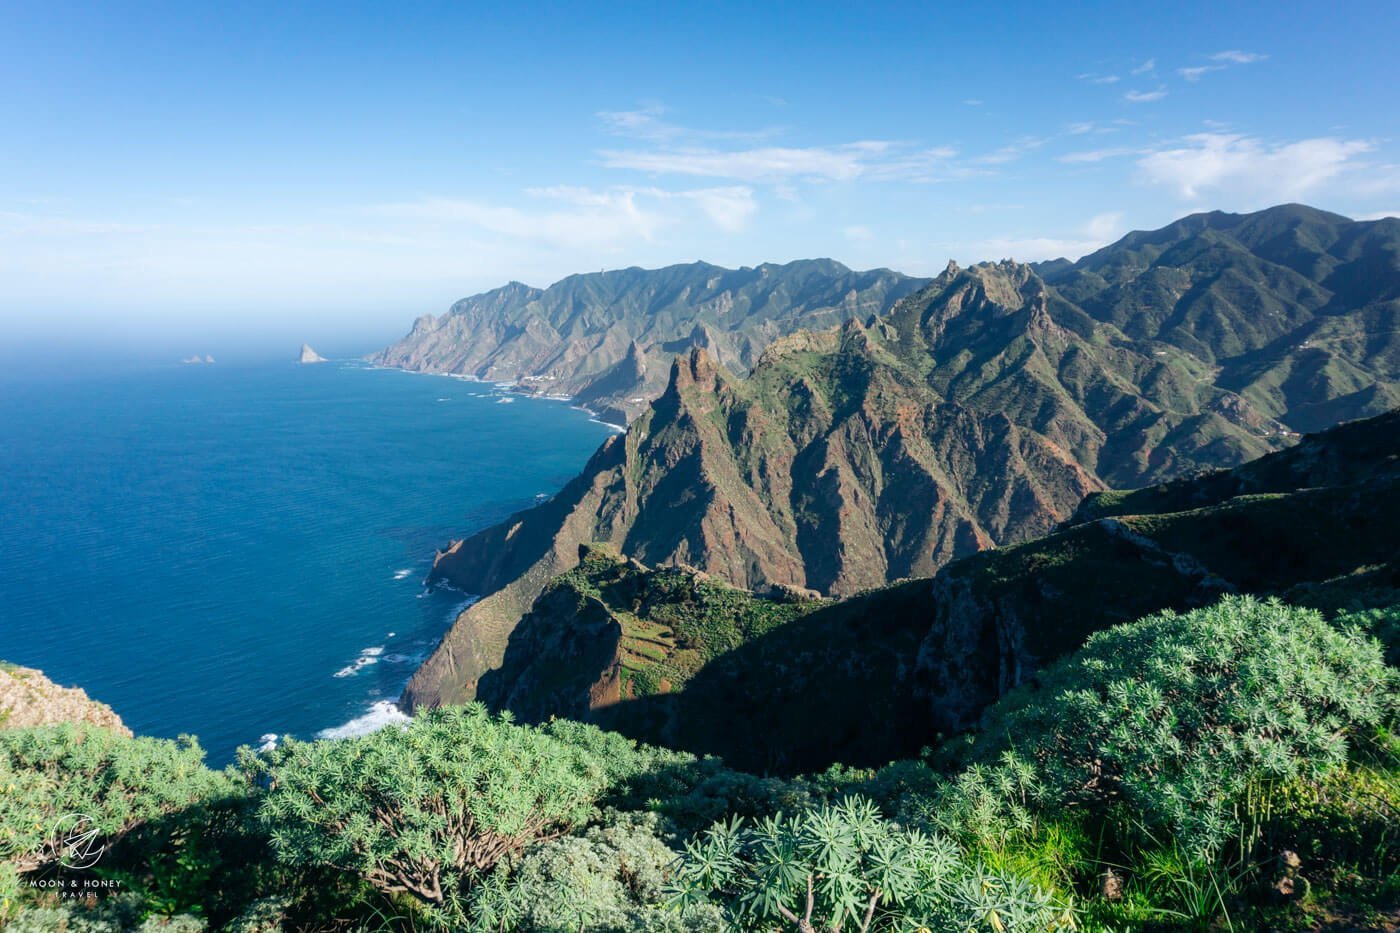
(590,217)
(973,102)
(859,233)
(1145,97)
(1196,73)
(875,159)
(1146,67)
(1105,226)
(1097,155)
(586,217)
(729,209)
(1237,164)
(1011,152)
(1099,79)
(1095,233)
(1236,57)
(21,224)
(646,122)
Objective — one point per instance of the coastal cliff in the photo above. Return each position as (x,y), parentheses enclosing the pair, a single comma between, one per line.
(28,698)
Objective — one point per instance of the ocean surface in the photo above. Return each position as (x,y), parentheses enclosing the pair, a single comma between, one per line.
(238,551)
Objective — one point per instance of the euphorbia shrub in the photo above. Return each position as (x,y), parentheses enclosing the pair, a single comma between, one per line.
(421,809)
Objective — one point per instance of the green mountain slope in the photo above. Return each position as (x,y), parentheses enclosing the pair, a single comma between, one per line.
(786,683)
(978,412)
(607,338)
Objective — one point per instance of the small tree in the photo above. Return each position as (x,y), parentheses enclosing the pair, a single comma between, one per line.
(420,809)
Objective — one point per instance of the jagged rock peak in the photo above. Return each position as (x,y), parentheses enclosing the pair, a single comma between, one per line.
(697,368)
(309,355)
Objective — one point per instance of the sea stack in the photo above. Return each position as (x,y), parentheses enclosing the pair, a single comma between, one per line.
(309,355)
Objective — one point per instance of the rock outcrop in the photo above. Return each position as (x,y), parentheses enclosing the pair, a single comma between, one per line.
(28,698)
(309,355)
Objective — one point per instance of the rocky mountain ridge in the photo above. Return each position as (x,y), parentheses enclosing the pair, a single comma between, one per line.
(978,412)
(606,339)
(676,657)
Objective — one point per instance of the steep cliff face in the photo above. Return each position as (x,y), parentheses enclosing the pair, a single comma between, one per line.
(28,698)
(607,338)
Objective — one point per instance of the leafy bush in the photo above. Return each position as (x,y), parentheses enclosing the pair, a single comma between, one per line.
(123,914)
(1178,716)
(844,867)
(421,809)
(611,878)
(51,772)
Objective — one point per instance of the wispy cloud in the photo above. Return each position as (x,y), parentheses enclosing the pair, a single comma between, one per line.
(1011,152)
(1097,155)
(868,159)
(973,102)
(1098,231)
(647,122)
(1242,165)
(585,217)
(859,233)
(38,225)
(1146,67)
(1145,97)
(1236,57)
(1098,78)
(1196,73)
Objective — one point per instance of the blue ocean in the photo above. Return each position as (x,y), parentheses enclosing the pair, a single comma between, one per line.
(237,551)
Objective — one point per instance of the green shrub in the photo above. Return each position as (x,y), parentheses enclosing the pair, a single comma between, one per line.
(422,809)
(1179,717)
(611,878)
(844,867)
(121,914)
(53,772)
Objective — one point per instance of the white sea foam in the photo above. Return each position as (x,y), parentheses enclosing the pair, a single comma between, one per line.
(367,657)
(402,574)
(504,401)
(617,428)
(444,400)
(268,741)
(381,713)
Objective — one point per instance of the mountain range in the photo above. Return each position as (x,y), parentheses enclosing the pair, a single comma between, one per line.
(606,339)
(944,418)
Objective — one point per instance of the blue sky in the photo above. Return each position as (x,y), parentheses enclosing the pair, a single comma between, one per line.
(341,168)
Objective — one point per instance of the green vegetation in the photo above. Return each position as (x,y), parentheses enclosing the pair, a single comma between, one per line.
(1233,767)
(426,810)
(845,867)
(672,622)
